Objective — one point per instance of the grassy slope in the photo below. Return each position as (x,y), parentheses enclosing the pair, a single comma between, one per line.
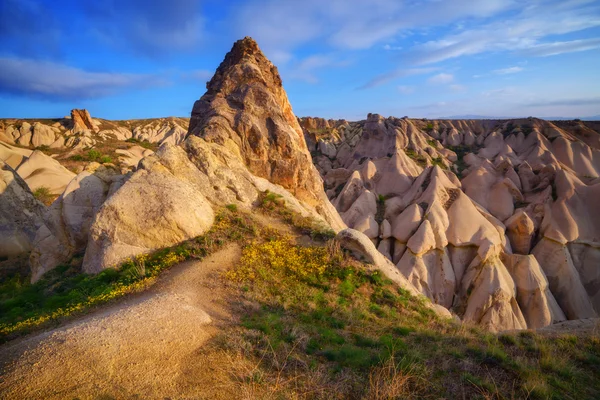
(311,322)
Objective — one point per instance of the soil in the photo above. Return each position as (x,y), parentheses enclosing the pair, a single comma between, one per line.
(140,347)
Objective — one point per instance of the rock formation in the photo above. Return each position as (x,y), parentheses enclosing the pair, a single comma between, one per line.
(491,219)
(20,214)
(246,110)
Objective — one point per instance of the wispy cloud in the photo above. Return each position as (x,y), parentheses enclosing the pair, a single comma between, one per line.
(585,101)
(555,48)
(399,73)
(201,75)
(506,71)
(441,79)
(523,33)
(52,81)
(306,69)
(406,89)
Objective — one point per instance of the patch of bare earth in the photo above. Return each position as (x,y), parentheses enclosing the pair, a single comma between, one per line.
(145,346)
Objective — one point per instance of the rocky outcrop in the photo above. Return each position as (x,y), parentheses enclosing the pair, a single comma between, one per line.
(20,214)
(152,209)
(246,110)
(67,221)
(81,121)
(511,244)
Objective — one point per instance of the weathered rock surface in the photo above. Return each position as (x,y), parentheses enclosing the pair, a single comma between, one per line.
(246,110)
(67,221)
(527,186)
(152,209)
(20,214)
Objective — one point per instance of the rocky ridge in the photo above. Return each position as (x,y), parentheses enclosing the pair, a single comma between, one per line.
(493,219)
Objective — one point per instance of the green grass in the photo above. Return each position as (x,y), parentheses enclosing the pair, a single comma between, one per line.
(43,195)
(309,321)
(92,155)
(144,143)
(65,291)
(318,311)
(273,204)
(421,160)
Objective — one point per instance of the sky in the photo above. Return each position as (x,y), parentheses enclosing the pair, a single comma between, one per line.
(125,59)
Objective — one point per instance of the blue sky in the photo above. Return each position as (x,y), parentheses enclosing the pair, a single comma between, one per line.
(125,59)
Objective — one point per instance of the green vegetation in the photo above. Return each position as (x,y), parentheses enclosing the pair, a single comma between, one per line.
(65,291)
(144,143)
(273,204)
(421,160)
(92,155)
(429,127)
(315,320)
(380,214)
(461,152)
(43,194)
(432,143)
(439,162)
(309,321)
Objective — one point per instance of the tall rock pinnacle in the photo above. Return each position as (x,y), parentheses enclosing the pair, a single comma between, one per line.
(246,109)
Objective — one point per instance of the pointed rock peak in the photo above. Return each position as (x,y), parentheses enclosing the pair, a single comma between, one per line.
(245,63)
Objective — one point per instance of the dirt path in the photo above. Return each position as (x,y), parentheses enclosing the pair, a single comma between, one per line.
(138,348)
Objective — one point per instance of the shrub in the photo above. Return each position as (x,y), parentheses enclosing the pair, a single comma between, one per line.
(105,160)
(93,155)
(43,194)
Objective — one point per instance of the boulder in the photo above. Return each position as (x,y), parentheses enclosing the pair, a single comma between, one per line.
(153,209)
(20,214)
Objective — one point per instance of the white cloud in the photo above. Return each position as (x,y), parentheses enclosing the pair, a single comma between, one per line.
(509,70)
(306,69)
(441,79)
(523,32)
(202,75)
(50,80)
(555,48)
(457,88)
(390,47)
(399,73)
(406,89)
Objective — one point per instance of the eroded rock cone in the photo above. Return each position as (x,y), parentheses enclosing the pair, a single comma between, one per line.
(246,109)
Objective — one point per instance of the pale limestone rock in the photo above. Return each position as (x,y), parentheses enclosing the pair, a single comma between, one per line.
(42,135)
(364,249)
(364,206)
(152,209)
(520,229)
(67,221)
(20,214)
(565,282)
(423,240)
(533,295)
(12,155)
(405,224)
(488,295)
(39,170)
(431,273)
(385,247)
(367,226)
(385,229)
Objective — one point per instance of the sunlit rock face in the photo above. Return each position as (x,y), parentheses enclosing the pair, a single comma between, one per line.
(246,110)
(495,220)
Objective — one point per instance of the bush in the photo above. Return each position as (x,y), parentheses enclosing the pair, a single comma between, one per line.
(93,155)
(105,159)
